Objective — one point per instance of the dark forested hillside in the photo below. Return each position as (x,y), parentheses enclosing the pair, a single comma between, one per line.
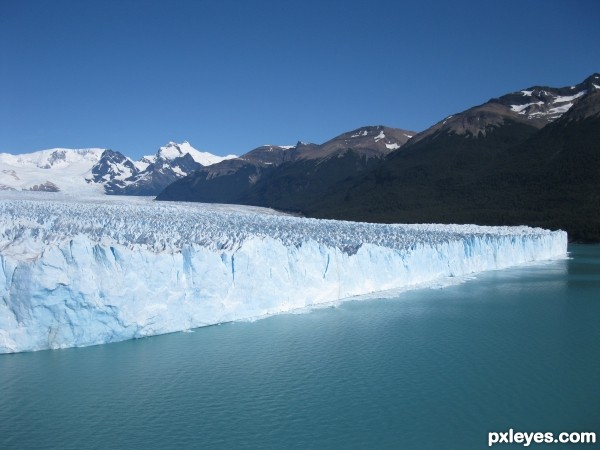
(551,178)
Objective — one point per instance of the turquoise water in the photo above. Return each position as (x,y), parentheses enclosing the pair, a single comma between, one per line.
(432,369)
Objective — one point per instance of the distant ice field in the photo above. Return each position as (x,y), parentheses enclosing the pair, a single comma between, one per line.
(78,272)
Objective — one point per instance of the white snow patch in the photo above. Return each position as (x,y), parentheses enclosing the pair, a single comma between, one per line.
(271,147)
(569,98)
(380,136)
(178,171)
(393,146)
(560,109)
(521,108)
(122,172)
(142,164)
(527,93)
(360,133)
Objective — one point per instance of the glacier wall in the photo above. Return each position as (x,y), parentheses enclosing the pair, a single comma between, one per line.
(84,273)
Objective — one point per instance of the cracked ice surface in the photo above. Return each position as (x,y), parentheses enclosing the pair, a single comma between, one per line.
(84,272)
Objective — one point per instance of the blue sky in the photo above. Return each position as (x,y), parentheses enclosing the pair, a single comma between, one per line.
(229,75)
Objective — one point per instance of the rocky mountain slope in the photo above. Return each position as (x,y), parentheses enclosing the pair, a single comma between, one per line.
(288,176)
(533,107)
(530,157)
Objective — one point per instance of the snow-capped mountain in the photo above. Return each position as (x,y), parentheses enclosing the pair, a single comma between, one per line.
(97,171)
(533,107)
(287,177)
(155,172)
(112,166)
(57,169)
(546,104)
(172,151)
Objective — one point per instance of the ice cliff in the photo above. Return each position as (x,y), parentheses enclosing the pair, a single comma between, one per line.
(76,273)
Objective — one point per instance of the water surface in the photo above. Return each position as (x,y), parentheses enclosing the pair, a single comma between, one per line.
(431,369)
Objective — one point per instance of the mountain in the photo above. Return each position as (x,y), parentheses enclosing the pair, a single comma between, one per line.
(288,177)
(57,169)
(532,108)
(530,157)
(155,172)
(112,167)
(99,171)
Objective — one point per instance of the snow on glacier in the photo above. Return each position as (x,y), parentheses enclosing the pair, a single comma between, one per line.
(86,272)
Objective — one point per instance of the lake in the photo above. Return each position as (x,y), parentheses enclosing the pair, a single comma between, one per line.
(429,369)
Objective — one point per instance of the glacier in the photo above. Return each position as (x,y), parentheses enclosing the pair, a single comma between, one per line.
(91,271)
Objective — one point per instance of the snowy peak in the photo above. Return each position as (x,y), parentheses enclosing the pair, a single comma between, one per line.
(592,82)
(588,105)
(52,158)
(174,150)
(152,173)
(544,103)
(541,104)
(113,166)
(56,169)
(535,107)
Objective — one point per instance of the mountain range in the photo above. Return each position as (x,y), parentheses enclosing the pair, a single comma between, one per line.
(288,177)
(101,171)
(528,157)
(495,164)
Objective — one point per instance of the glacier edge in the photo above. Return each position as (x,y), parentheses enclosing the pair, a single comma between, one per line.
(70,288)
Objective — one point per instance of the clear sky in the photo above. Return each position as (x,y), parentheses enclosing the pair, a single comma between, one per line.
(230,75)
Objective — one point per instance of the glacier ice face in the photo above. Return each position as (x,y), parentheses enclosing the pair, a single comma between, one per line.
(76,273)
